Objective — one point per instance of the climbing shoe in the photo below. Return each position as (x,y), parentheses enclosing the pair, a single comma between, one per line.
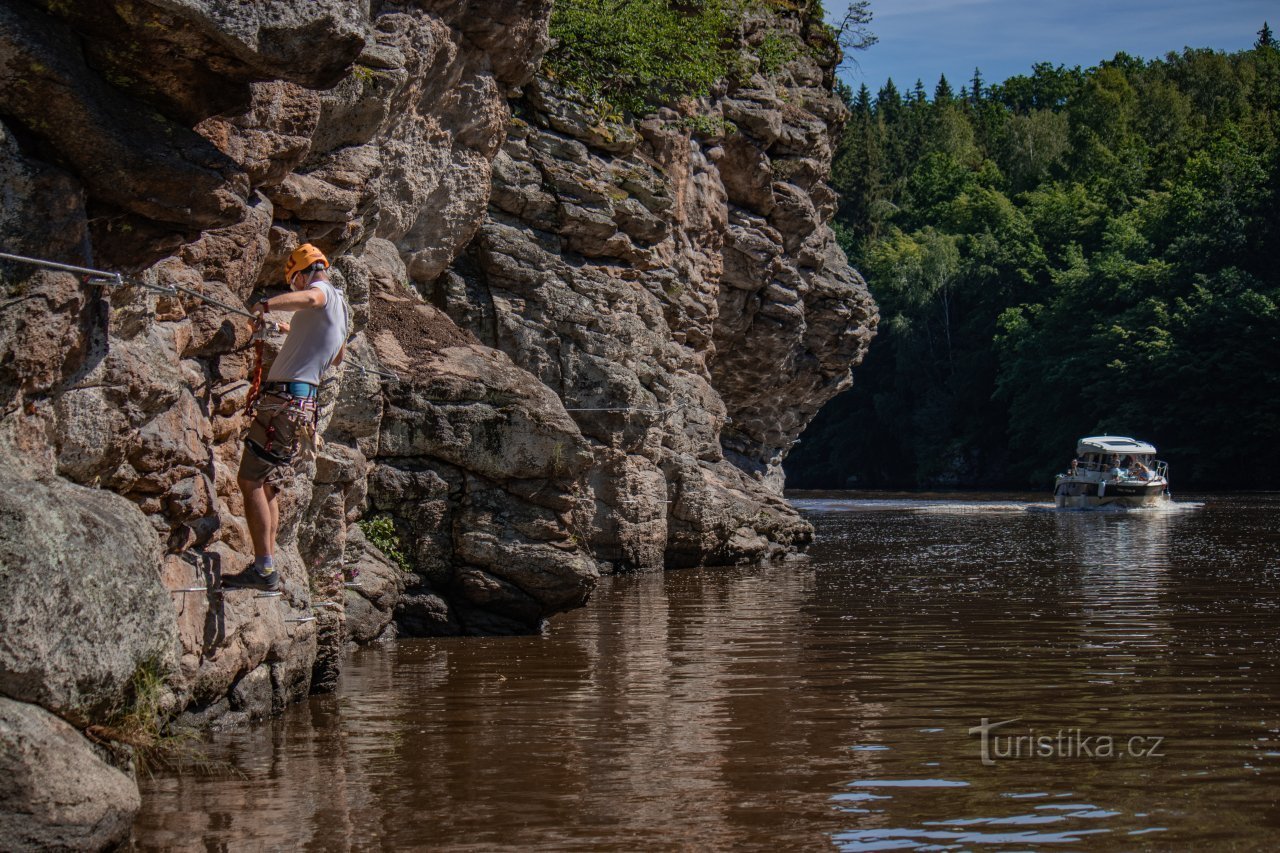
(251,578)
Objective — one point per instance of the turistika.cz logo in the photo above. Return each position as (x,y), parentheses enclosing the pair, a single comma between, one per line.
(1063,743)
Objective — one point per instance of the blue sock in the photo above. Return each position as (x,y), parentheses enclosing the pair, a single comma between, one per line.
(264,565)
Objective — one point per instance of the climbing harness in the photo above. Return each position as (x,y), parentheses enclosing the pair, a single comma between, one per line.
(303,415)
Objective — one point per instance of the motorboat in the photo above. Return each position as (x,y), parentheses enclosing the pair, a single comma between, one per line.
(1113,471)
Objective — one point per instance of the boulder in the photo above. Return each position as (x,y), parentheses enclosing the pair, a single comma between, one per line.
(82,609)
(58,792)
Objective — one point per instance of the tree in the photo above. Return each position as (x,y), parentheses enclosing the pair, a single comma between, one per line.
(942,92)
(862,103)
(1033,145)
(854,30)
(1265,39)
(888,101)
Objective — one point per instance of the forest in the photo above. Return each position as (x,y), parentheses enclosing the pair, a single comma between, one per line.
(1065,253)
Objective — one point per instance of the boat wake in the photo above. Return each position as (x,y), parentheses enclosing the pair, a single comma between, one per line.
(964,507)
(1117,509)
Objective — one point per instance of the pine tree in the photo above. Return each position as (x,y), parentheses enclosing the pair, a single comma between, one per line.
(975,91)
(917,94)
(888,101)
(862,103)
(1265,38)
(942,92)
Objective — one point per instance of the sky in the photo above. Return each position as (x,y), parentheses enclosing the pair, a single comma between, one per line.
(926,38)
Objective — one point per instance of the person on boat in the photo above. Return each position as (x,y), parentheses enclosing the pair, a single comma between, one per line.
(1074,468)
(1116,471)
(285,416)
(1139,471)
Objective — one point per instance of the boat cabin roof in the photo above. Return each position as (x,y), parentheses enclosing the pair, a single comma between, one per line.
(1112,444)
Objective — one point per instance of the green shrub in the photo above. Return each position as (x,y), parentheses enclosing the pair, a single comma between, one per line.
(775,51)
(380,530)
(637,55)
(140,723)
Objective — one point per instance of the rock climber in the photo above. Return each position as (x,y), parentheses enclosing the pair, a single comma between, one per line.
(284,418)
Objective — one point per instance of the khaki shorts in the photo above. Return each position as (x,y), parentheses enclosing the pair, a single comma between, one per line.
(281,427)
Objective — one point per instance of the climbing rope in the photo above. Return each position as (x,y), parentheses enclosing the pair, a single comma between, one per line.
(255,384)
(115,279)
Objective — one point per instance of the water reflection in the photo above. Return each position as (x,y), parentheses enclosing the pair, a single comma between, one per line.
(810,707)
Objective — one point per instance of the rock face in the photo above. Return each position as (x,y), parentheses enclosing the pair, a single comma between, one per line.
(80,597)
(578,347)
(59,792)
(692,313)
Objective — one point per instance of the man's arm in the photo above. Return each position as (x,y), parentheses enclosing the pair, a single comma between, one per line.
(342,353)
(295,300)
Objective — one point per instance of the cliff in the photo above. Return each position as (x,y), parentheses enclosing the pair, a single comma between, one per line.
(604,338)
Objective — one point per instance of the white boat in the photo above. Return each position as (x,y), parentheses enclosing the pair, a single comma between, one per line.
(1113,471)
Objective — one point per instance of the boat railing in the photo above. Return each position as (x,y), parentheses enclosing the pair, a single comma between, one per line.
(1158,469)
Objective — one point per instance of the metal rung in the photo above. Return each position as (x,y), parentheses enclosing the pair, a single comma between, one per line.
(268,595)
(301,619)
(191,589)
(353,583)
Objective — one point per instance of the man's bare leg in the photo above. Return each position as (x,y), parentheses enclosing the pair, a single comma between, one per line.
(258,514)
(273,510)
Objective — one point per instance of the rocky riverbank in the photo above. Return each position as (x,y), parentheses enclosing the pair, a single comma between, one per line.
(604,339)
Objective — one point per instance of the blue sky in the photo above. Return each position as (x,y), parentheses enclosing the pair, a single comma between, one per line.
(926,38)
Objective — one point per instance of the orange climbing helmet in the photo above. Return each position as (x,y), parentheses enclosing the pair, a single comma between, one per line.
(304,256)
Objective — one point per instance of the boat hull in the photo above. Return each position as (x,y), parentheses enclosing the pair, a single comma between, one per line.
(1069,494)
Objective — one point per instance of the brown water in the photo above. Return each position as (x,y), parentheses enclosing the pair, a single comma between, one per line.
(818,705)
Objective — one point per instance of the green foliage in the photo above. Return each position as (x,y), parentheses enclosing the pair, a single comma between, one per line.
(709,127)
(638,54)
(380,530)
(1064,253)
(777,49)
(138,723)
(631,56)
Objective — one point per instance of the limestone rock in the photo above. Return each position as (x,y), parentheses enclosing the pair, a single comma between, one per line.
(130,158)
(273,136)
(684,297)
(370,607)
(81,604)
(59,794)
(196,58)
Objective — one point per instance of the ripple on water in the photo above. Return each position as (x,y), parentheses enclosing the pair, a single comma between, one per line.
(857,841)
(709,708)
(908,783)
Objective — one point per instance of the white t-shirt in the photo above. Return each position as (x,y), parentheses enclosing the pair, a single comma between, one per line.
(315,336)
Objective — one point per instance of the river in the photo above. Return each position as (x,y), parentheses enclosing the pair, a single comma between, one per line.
(838,703)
